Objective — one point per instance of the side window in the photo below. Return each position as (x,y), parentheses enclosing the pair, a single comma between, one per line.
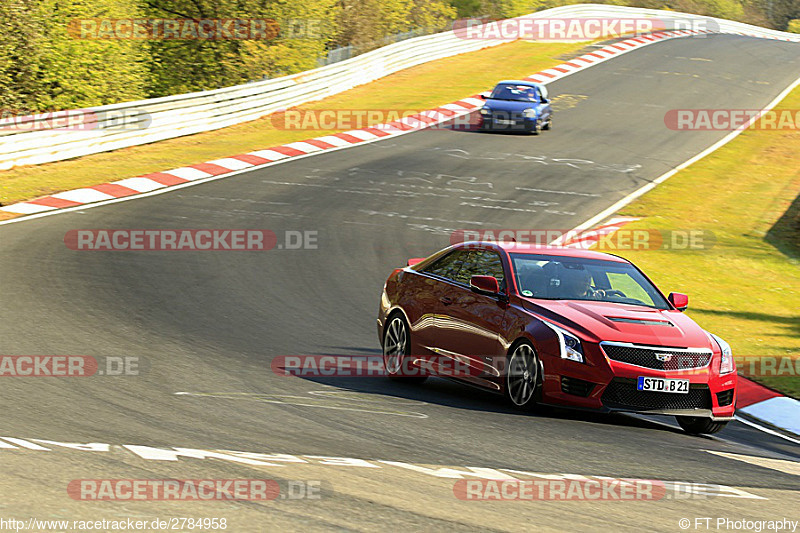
(543,93)
(482,263)
(449,265)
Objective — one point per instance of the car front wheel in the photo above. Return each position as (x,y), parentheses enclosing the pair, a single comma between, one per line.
(695,425)
(522,376)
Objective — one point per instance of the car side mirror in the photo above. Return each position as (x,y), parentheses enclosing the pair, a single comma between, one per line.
(678,300)
(486,285)
(485,95)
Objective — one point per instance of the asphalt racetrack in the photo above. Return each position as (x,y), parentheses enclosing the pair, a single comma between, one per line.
(208,325)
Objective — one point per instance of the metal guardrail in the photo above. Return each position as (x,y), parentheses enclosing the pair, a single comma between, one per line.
(134,123)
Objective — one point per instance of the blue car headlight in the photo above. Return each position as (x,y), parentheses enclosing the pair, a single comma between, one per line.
(529,113)
(486,111)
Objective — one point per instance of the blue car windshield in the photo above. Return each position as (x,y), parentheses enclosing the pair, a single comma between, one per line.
(515,93)
(574,278)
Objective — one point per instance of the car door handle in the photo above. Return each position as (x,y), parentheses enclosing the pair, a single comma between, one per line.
(446,300)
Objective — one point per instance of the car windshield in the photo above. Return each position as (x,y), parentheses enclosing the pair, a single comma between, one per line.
(575,278)
(516,93)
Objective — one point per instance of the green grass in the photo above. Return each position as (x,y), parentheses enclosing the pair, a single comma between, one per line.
(419,88)
(746,288)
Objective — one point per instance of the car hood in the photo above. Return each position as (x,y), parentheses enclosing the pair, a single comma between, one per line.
(606,321)
(510,106)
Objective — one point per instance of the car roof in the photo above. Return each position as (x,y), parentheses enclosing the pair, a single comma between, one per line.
(535,249)
(519,82)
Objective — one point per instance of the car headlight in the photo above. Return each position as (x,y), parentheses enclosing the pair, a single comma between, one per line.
(726,363)
(569,344)
(529,113)
(486,111)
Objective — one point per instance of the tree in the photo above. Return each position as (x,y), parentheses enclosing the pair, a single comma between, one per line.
(21,42)
(190,65)
(80,72)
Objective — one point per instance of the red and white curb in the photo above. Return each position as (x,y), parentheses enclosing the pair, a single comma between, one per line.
(585,239)
(219,168)
(771,407)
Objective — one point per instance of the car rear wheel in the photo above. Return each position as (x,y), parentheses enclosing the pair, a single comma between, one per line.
(396,347)
(695,425)
(522,377)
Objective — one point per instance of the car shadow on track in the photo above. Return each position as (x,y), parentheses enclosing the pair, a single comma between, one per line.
(469,124)
(458,395)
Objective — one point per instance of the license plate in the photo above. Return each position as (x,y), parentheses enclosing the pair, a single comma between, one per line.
(677,386)
(504,121)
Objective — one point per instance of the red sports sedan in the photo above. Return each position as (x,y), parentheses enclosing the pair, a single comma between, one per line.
(556,326)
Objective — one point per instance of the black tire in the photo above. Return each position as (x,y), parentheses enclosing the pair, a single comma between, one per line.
(535,129)
(522,377)
(549,124)
(696,425)
(398,337)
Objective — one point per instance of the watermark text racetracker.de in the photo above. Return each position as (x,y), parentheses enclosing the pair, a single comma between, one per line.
(558,490)
(706,523)
(371,366)
(119,240)
(732,119)
(173,29)
(185,29)
(602,239)
(768,365)
(165,490)
(26,120)
(71,366)
(299,119)
(573,29)
(582,488)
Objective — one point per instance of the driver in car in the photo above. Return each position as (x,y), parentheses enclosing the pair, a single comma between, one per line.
(577,284)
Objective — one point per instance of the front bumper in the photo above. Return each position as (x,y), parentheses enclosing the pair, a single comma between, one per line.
(507,123)
(607,385)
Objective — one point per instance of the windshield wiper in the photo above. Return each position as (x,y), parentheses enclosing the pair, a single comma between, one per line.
(511,100)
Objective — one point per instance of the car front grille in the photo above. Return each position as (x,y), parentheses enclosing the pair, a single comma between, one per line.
(651,356)
(725,397)
(518,118)
(576,387)
(508,115)
(622,394)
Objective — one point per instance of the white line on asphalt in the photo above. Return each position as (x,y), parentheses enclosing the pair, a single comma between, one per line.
(282,460)
(781,465)
(767,430)
(664,177)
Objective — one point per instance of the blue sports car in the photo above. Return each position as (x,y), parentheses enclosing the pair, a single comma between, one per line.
(516,105)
